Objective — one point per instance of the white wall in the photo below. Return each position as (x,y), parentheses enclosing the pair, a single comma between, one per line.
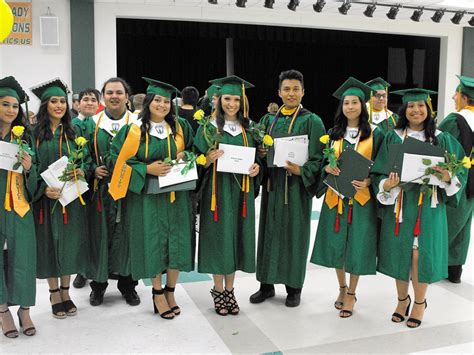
(106,12)
(31,65)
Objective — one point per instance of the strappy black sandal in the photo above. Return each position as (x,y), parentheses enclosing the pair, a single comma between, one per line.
(232,305)
(69,306)
(220,304)
(176,310)
(12,333)
(28,331)
(346,313)
(397,317)
(57,308)
(166,314)
(414,320)
(339,304)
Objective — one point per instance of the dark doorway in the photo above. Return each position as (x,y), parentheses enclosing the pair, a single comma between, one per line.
(192,53)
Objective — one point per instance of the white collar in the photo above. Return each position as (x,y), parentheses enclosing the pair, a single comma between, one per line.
(159,130)
(234,128)
(469,116)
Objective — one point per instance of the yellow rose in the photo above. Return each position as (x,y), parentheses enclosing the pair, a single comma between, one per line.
(18,131)
(466,162)
(80,141)
(201,160)
(267,140)
(198,115)
(325,139)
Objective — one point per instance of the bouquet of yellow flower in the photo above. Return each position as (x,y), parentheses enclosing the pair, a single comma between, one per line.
(328,152)
(75,161)
(18,132)
(188,160)
(211,138)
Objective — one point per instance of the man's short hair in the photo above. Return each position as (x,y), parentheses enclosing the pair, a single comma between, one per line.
(138,101)
(89,91)
(128,91)
(190,95)
(291,74)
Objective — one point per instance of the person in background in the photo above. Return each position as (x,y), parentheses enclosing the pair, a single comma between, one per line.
(272,108)
(138,103)
(379,114)
(75,105)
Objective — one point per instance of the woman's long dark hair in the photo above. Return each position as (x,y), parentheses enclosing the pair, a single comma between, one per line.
(429,124)
(43,131)
(145,116)
(220,116)
(340,123)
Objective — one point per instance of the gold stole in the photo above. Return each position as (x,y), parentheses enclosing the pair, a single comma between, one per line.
(122,172)
(332,199)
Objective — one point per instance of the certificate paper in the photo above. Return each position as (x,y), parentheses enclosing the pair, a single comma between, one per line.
(8,156)
(413,168)
(175,177)
(51,177)
(290,150)
(236,159)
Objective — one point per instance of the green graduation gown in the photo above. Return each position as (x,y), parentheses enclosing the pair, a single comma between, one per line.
(459,219)
(384,120)
(158,233)
(354,247)
(61,247)
(227,245)
(18,274)
(395,252)
(284,229)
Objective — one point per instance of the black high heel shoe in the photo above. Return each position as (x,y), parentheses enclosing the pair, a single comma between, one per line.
(346,313)
(57,308)
(414,320)
(165,314)
(28,331)
(398,317)
(12,333)
(69,306)
(232,305)
(176,310)
(220,304)
(339,304)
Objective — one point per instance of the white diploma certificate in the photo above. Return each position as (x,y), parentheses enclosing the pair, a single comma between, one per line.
(175,177)
(413,168)
(295,151)
(8,156)
(236,159)
(69,192)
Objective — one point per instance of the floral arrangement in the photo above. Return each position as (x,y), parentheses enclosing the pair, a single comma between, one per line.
(328,152)
(18,132)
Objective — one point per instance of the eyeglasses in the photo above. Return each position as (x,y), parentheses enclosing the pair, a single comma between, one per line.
(380,96)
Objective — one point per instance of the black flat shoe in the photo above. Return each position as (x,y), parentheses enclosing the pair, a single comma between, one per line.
(57,308)
(414,320)
(293,300)
(454,274)
(132,298)
(397,317)
(96,297)
(260,296)
(79,281)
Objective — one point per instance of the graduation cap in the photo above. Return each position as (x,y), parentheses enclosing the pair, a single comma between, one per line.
(354,87)
(378,84)
(212,90)
(466,86)
(415,94)
(10,87)
(160,88)
(53,87)
(231,85)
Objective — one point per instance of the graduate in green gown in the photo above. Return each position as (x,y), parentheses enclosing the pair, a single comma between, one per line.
(17,229)
(227,219)
(60,231)
(285,214)
(346,238)
(461,125)
(414,233)
(157,227)
(106,238)
(379,114)
(87,107)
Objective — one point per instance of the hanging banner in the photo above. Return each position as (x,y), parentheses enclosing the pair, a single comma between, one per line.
(22,32)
